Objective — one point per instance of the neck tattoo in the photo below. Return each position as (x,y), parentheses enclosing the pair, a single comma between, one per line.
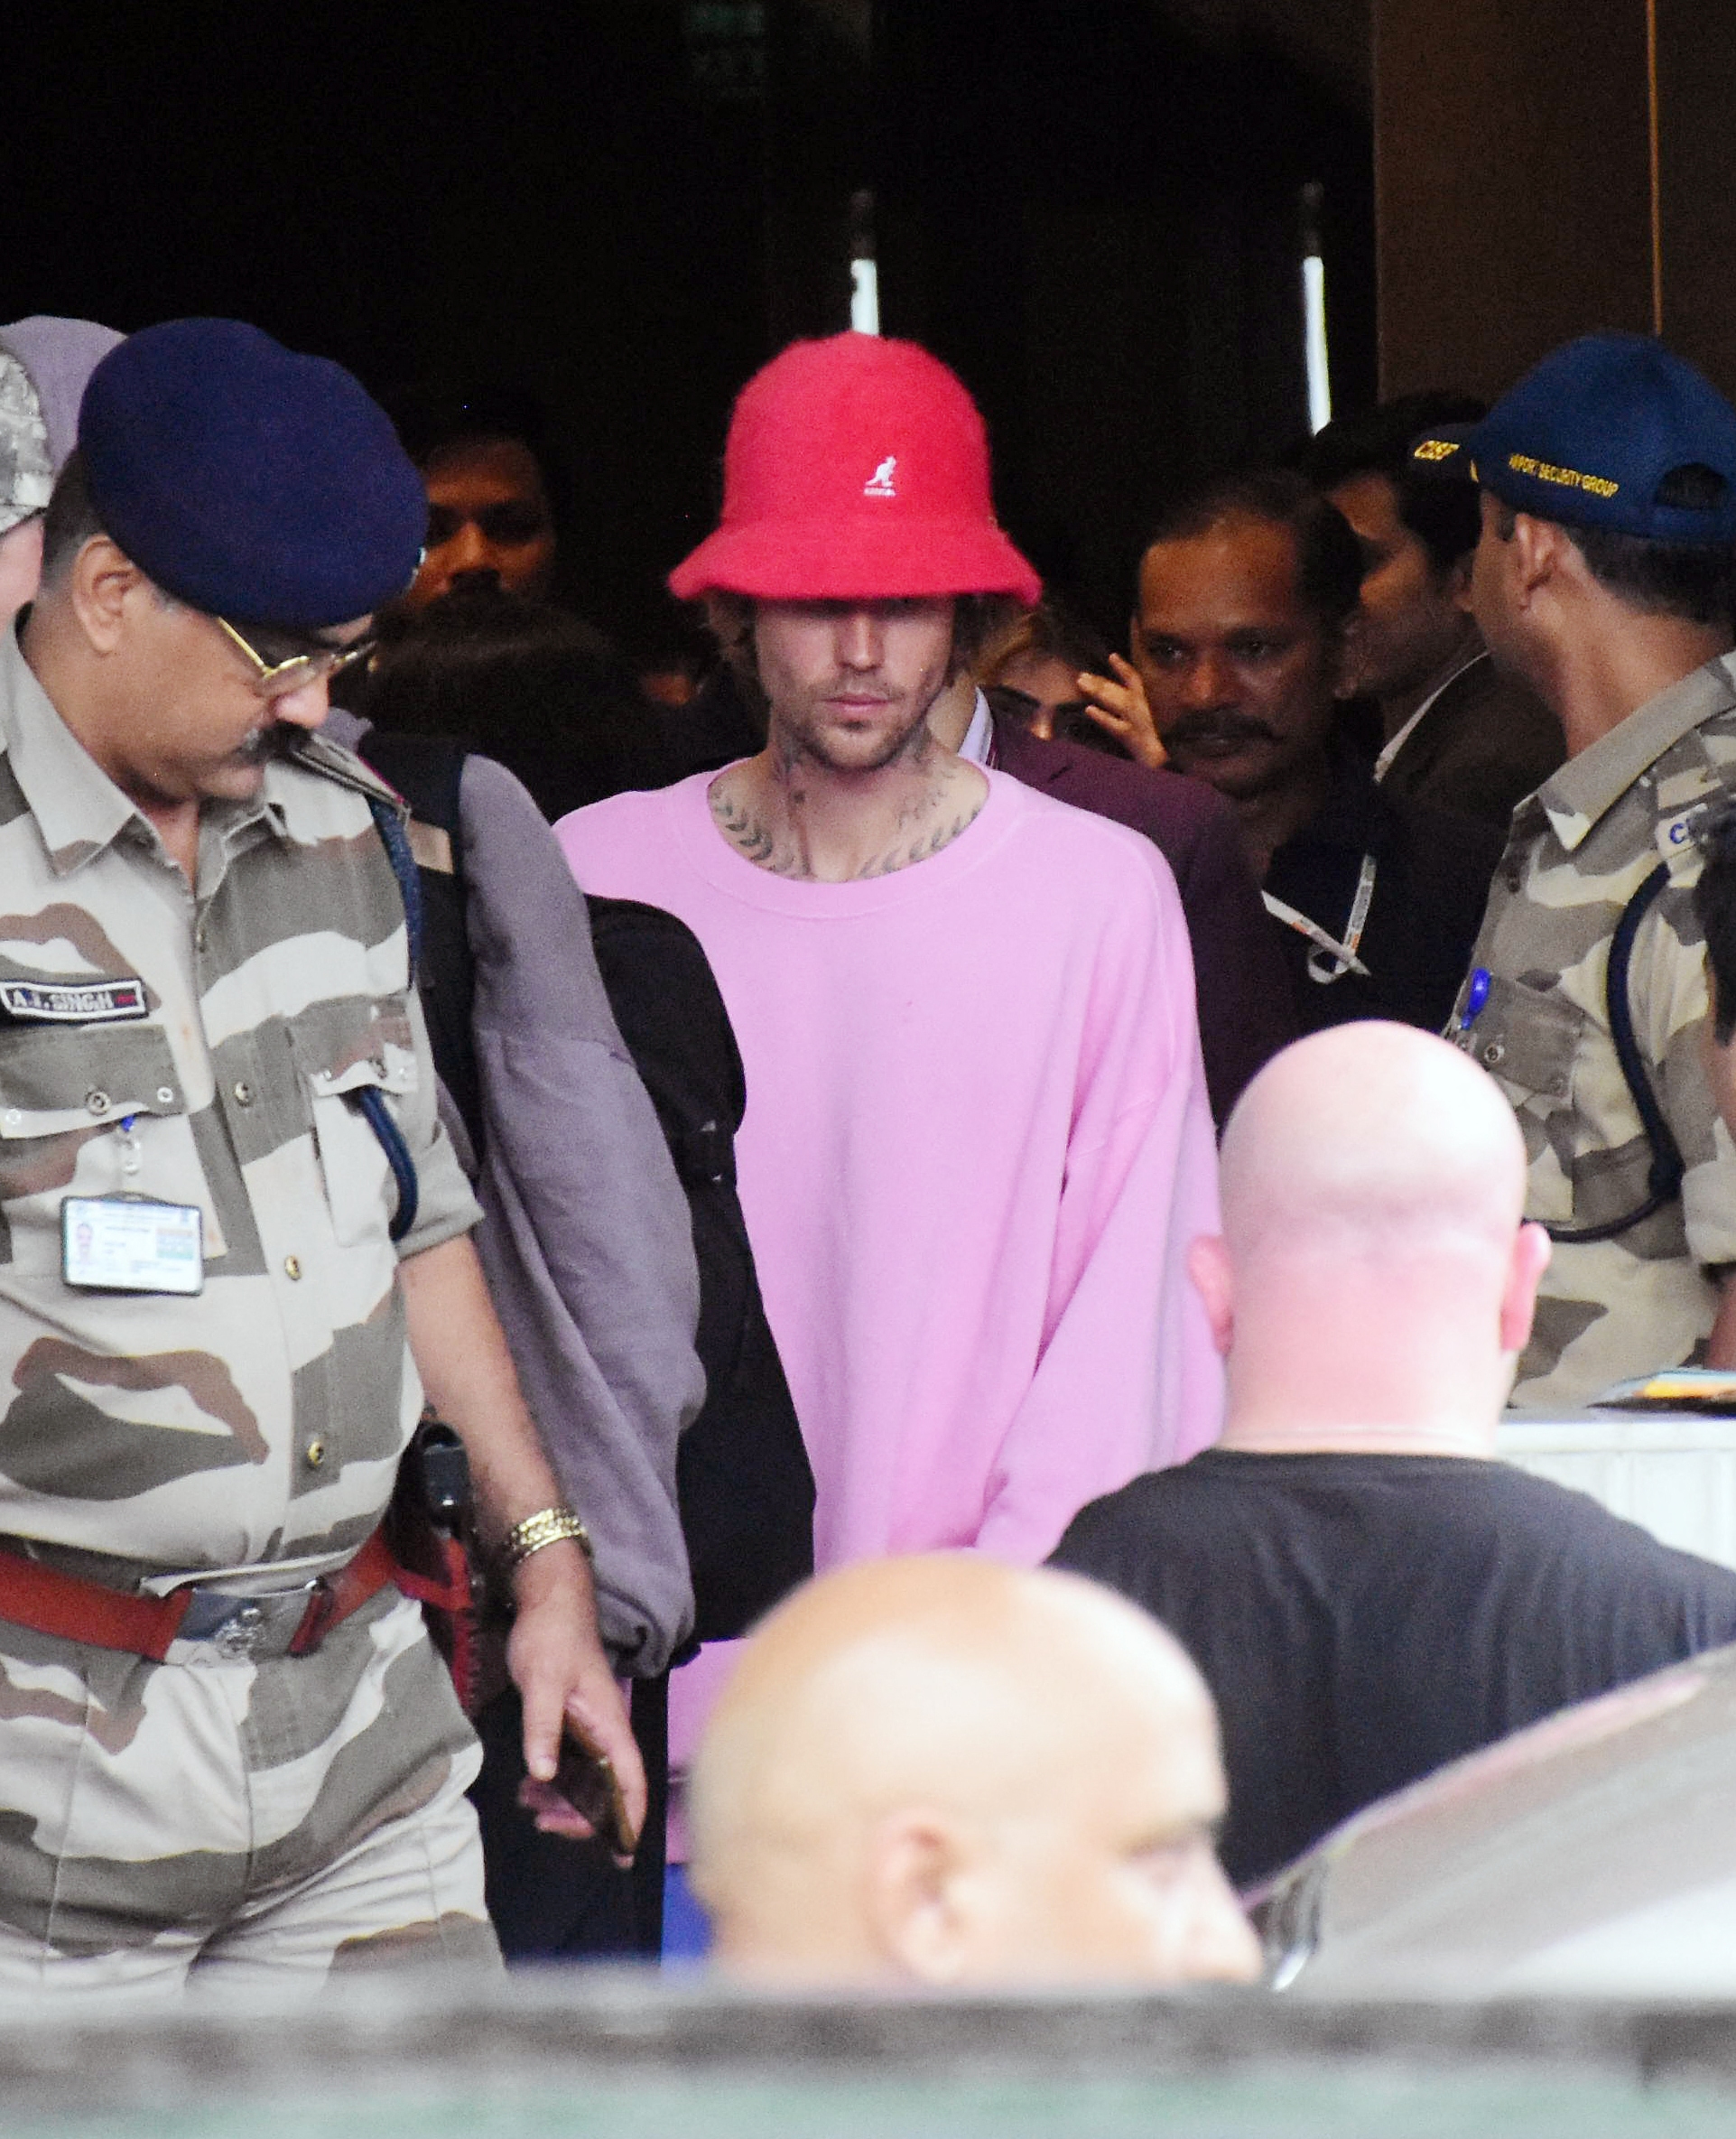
(927,824)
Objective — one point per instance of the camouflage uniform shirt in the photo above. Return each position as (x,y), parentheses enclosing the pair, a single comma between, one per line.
(260,1421)
(1578,851)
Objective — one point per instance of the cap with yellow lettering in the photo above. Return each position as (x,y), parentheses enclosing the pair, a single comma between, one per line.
(1611,431)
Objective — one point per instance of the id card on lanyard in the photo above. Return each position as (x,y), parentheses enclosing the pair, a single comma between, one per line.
(131,1242)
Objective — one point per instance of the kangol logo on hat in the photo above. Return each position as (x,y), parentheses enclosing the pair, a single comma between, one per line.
(249,481)
(802,522)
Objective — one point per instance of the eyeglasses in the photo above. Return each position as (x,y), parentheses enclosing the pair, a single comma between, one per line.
(316,665)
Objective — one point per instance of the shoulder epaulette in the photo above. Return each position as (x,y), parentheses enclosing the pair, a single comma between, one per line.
(319,754)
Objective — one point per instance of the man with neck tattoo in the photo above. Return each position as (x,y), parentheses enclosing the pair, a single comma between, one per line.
(852,782)
(977,1140)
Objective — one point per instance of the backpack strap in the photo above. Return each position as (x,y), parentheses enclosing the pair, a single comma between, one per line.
(388,821)
(1663,1183)
(319,754)
(1680,827)
(427,773)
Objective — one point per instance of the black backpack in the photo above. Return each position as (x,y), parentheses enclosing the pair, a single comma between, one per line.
(744,1483)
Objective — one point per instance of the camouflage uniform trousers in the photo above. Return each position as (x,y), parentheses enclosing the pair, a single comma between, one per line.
(234,1827)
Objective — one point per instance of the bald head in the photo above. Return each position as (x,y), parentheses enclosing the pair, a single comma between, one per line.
(1373,1270)
(1370,1131)
(944,1769)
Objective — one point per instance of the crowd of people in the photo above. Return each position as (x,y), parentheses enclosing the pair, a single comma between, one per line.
(771,1154)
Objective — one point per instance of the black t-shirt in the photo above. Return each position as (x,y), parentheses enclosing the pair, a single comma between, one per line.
(1363,1619)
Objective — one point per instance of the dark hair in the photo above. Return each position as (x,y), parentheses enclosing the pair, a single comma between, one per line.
(1443,515)
(1714,901)
(434,415)
(1694,582)
(440,417)
(1329,558)
(529,684)
(1053,632)
(70,521)
(976,619)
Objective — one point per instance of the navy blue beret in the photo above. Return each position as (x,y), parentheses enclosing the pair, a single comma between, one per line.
(248,481)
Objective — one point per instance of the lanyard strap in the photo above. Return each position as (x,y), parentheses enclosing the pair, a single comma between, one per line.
(1330,960)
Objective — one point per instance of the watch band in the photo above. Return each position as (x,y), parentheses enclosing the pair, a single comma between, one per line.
(548,1526)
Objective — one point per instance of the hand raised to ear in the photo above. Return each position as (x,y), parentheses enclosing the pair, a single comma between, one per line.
(1120,707)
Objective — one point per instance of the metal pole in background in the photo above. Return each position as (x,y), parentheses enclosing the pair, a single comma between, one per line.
(864,270)
(1316,355)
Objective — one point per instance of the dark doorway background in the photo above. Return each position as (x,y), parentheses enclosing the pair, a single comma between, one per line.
(1090,207)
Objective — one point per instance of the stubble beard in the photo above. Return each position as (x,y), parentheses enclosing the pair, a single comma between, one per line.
(799,737)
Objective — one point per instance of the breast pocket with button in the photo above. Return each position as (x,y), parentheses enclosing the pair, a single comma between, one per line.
(342,1049)
(57,1077)
(64,1092)
(1530,1040)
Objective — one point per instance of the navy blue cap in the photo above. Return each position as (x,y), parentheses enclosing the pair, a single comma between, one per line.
(1587,436)
(248,481)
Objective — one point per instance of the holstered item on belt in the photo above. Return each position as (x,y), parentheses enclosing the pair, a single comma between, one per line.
(427,1525)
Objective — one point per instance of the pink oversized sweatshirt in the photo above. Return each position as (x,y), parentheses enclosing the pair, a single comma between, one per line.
(976,1148)
(973,1156)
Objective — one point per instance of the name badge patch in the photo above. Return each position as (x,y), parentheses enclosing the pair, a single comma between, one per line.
(126,1243)
(78,1002)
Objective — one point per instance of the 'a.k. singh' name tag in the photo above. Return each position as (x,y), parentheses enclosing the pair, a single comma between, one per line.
(80,1002)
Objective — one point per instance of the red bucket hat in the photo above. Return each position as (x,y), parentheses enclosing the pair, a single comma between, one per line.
(856,468)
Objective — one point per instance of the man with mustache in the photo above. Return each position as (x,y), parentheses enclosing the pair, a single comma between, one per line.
(1247,596)
(976,1139)
(233,1252)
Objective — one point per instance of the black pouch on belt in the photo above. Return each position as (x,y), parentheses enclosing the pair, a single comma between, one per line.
(427,1528)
